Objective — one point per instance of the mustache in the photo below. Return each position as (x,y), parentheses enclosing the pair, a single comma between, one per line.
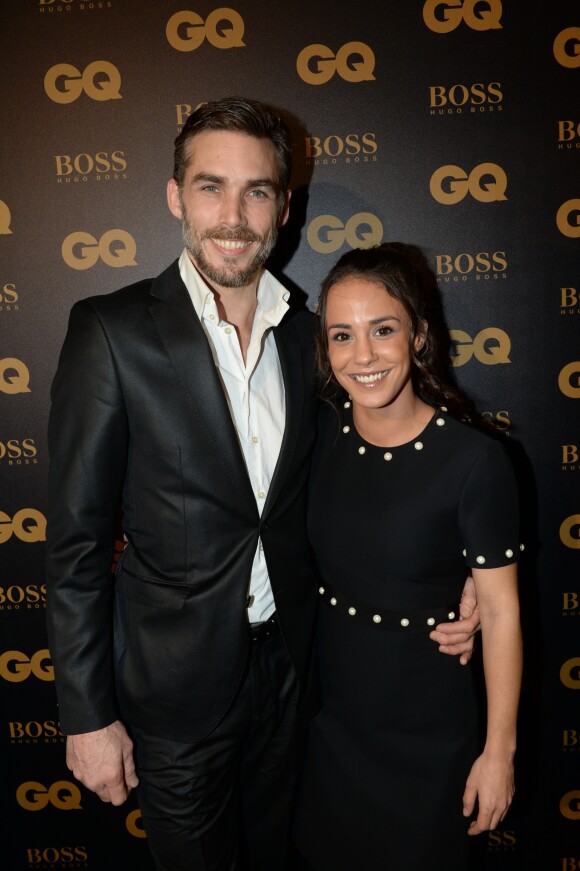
(241,234)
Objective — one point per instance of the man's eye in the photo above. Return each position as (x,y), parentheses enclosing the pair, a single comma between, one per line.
(258,194)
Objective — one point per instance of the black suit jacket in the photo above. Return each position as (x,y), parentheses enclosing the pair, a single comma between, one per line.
(139,419)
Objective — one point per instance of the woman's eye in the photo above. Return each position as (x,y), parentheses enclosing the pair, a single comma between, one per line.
(340,337)
(384,331)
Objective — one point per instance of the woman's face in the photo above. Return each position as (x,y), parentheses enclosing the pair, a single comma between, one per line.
(368,334)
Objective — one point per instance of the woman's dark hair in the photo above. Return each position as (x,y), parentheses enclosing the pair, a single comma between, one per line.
(236,114)
(403,271)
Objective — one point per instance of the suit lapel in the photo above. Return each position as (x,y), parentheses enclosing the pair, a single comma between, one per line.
(188,349)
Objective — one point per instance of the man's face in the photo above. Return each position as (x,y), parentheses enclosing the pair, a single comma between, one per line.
(230,205)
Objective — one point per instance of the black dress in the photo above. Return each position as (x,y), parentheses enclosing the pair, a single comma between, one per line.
(394,531)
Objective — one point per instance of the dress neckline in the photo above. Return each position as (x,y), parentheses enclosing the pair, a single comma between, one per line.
(437,420)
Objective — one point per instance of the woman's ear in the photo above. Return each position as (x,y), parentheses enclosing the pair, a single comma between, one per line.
(421,336)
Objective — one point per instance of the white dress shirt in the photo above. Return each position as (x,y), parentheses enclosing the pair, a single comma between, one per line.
(255,395)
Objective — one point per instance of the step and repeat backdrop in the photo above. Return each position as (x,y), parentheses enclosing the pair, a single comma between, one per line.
(453,125)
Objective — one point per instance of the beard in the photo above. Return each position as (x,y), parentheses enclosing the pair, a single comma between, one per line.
(227,275)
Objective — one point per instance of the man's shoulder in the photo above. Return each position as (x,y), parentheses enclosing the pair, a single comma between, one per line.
(133,294)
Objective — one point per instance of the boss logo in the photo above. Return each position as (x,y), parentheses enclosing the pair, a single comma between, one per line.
(443,17)
(354,62)
(570,603)
(100,81)
(500,418)
(567,47)
(28,524)
(568,134)
(459,267)
(34,730)
(223,28)
(570,533)
(34,796)
(8,297)
(570,455)
(459,96)
(51,856)
(500,840)
(352,145)
(486,183)
(490,346)
(83,165)
(16,667)
(14,596)
(17,451)
(327,233)
(568,219)
(116,248)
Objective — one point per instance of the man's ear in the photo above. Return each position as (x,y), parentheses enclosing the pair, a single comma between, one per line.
(173,199)
(285,210)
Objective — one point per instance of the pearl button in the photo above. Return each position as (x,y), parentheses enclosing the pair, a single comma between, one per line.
(509,553)
(443,408)
(388,456)
(352,611)
(333,601)
(480,560)
(347,404)
(440,421)
(321,591)
(346,429)
(521,547)
(431,621)
(464,553)
(377,618)
(451,615)
(418,446)
(362,450)
(404,621)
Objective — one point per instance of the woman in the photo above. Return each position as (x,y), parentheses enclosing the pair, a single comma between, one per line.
(407,499)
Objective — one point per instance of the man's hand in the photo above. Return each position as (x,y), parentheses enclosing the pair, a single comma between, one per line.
(457,638)
(103,762)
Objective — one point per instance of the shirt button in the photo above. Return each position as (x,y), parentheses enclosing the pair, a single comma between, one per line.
(262,494)
(255,439)
(228,330)
(212,317)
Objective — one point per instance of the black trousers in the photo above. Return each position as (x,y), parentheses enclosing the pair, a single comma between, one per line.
(225,803)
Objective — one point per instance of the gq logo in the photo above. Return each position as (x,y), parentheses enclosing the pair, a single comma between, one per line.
(486,183)
(15,666)
(567,47)
(116,248)
(5,218)
(445,17)
(568,219)
(14,376)
(565,380)
(569,525)
(134,823)
(327,63)
(100,81)
(326,233)
(28,524)
(186,30)
(34,796)
(490,346)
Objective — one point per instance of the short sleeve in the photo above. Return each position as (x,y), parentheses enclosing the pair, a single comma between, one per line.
(489,511)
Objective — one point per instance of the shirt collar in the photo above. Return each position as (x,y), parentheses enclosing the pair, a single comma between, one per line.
(272,295)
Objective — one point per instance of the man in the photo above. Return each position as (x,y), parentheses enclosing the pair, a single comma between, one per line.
(188,401)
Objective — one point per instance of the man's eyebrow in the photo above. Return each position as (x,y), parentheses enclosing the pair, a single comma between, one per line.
(221,179)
